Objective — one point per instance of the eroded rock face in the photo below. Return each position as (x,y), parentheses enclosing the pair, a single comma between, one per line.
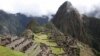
(69,21)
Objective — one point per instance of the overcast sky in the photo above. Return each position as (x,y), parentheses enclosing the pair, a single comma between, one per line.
(43,7)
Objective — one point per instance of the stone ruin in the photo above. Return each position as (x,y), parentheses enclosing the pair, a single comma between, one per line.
(28,34)
(68,43)
(22,43)
(5,40)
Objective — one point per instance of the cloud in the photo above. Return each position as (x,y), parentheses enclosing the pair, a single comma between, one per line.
(43,7)
(85,6)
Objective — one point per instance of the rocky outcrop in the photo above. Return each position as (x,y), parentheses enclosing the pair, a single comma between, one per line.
(76,28)
(69,21)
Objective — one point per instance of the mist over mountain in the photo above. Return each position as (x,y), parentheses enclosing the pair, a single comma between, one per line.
(16,23)
(94,13)
(39,31)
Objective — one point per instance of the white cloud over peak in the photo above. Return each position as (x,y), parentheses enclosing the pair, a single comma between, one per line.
(42,7)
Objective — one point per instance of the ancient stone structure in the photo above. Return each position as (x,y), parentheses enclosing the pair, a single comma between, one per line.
(28,34)
(45,51)
(5,41)
(20,44)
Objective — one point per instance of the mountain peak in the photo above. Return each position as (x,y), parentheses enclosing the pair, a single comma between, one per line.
(69,21)
(67,3)
(66,6)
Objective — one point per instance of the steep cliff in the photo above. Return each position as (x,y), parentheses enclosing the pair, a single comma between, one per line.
(78,29)
(70,22)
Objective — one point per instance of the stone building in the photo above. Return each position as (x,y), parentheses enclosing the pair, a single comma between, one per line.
(4,41)
(28,34)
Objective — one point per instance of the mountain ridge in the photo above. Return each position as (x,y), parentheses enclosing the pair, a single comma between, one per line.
(17,23)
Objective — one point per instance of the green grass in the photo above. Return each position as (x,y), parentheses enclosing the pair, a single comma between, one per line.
(43,38)
(8,52)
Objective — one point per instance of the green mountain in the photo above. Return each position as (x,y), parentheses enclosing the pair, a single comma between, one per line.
(17,23)
(79,28)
